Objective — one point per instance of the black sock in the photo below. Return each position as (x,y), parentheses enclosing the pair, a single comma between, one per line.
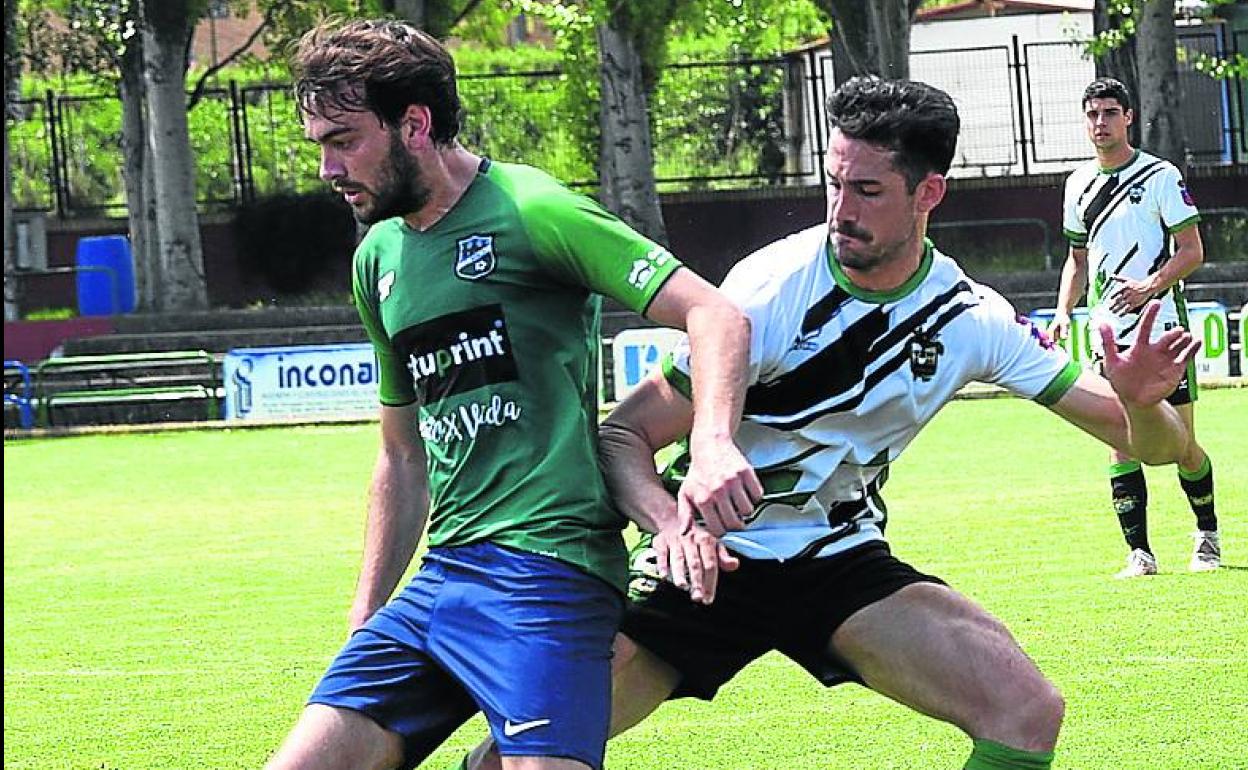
(1131,504)
(1198,486)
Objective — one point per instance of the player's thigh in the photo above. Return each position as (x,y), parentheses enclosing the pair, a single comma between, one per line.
(640,682)
(932,649)
(326,738)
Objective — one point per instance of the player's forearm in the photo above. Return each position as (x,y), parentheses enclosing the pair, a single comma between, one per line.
(397,510)
(1074,278)
(719,341)
(627,463)
(1181,264)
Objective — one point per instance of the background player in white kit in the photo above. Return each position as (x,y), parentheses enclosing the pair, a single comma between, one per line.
(861,332)
(1121,211)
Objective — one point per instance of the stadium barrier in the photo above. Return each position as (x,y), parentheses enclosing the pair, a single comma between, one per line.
(1208,321)
(301,381)
(17,393)
(129,387)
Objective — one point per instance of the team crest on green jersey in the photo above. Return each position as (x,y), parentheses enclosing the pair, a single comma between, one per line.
(474,257)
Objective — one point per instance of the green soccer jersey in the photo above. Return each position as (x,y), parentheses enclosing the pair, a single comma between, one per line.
(489,320)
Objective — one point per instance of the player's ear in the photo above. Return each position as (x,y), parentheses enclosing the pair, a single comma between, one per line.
(416,125)
(1129,116)
(930,192)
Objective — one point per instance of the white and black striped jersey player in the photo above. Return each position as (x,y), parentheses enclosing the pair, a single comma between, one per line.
(842,379)
(1124,217)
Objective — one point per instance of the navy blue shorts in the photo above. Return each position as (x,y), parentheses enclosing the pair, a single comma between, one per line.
(522,637)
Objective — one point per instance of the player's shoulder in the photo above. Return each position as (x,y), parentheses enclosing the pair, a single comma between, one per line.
(530,188)
(947,277)
(766,271)
(1081,176)
(377,239)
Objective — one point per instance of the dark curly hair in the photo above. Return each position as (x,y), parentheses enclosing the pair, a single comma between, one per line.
(1108,88)
(379,66)
(917,122)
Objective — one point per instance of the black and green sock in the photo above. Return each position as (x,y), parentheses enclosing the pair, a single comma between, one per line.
(990,755)
(1130,495)
(1198,486)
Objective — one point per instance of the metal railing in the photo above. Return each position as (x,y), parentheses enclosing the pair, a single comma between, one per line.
(715,124)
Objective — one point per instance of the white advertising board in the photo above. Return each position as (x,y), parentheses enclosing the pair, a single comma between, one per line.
(301,381)
(635,352)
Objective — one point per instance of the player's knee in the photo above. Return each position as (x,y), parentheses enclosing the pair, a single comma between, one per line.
(1027,714)
(623,652)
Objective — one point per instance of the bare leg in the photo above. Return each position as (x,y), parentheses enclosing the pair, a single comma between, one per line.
(1194,458)
(640,683)
(326,738)
(932,649)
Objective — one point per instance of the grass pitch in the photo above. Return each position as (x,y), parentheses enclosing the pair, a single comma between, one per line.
(170,599)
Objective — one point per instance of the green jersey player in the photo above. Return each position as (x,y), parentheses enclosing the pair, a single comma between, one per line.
(1122,210)
(478,285)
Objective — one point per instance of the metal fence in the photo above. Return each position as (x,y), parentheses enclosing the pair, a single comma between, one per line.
(715,125)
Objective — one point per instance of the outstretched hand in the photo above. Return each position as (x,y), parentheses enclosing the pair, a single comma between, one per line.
(1147,372)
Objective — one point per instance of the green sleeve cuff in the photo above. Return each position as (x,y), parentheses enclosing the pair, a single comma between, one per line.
(1186,223)
(1060,384)
(676,378)
(1078,240)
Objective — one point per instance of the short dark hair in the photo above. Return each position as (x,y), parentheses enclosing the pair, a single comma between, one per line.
(1107,88)
(917,122)
(379,66)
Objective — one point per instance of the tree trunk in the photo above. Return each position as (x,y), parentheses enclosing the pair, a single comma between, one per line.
(140,205)
(1161,131)
(12,73)
(871,38)
(166,28)
(1118,63)
(413,11)
(626,181)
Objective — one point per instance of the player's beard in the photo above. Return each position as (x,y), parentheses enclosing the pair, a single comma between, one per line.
(400,189)
(867,252)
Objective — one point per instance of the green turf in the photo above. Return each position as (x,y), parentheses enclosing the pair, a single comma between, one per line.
(170,600)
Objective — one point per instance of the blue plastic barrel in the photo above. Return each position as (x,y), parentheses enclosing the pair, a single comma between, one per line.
(105,275)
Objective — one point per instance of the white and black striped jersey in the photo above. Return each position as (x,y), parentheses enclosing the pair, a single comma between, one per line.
(841,380)
(1124,217)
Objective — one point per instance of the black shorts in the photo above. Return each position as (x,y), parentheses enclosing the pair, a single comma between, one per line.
(1186,391)
(765,605)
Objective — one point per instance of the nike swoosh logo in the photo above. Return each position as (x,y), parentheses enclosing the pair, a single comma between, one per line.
(510,728)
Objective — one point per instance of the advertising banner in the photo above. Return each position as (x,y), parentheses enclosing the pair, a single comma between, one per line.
(301,381)
(635,352)
(1208,321)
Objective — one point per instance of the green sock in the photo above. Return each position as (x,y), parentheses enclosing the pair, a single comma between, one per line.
(989,755)
(462,764)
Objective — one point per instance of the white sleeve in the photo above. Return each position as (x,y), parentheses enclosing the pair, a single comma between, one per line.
(1174,204)
(1020,357)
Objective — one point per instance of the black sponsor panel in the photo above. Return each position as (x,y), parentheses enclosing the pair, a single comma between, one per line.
(459,352)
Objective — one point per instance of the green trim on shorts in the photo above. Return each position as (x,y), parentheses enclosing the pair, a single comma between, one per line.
(1204,470)
(1059,385)
(1122,469)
